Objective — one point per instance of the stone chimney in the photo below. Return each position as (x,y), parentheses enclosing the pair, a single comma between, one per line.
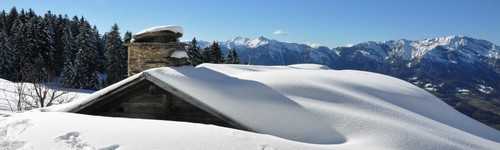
(156,47)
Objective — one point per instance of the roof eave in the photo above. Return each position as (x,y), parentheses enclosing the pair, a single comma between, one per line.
(190,99)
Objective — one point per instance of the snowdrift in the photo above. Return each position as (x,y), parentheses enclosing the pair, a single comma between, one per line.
(172,28)
(9,94)
(332,109)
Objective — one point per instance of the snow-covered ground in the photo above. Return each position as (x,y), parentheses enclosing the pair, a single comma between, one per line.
(9,94)
(360,110)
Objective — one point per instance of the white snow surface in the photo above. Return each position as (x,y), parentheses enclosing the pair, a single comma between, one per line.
(292,107)
(173,28)
(9,96)
(179,54)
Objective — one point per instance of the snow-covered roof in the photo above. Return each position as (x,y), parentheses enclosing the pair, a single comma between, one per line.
(173,28)
(231,97)
(344,109)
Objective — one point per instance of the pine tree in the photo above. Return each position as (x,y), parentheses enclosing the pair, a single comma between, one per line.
(11,18)
(75,25)
(101,59)
(59,26)
(232,57)
(31,14)
(40,50)
(23,16)
(18,46)
(7,57)
(206,55)
(215,53)
(25,47)
(127,38)
(70,50)
(85,60)
(47,46)
(116,67)
(193,52)
(3,22)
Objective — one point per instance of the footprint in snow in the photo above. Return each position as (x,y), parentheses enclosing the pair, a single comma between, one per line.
(9,133)
(111,147)
(266,147)
(72,140)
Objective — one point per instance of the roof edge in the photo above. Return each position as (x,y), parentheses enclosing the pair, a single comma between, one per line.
(190,99)
(120,87)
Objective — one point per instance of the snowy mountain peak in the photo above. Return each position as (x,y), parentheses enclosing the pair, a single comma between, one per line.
(316,45)
(465,47)
(258,42)
(247,42)
(445,41)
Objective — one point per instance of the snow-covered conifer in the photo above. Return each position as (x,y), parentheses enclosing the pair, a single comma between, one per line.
(194,54)
(7,61)
(232,57)
(116,67)
(215,53)
(85,60)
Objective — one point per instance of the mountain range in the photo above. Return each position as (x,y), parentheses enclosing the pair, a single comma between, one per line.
(463,71)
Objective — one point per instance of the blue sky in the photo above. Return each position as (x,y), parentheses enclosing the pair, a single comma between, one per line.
(327,22)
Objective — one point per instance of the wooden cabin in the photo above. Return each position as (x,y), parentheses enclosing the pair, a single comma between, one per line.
(143,99)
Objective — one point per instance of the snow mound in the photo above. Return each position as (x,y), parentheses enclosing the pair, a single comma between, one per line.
(179,54)
(64,131)
(309,66)
(6,95)
(354,109)
(252,110)
(9,94)
(173,28)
